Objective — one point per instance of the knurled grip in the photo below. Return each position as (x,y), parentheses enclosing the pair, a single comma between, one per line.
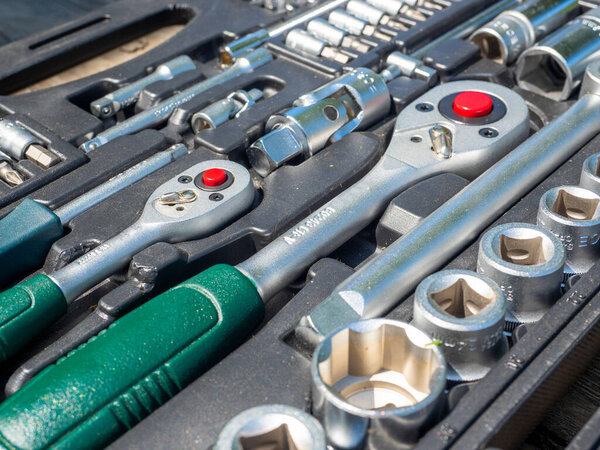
(117,378)
(26,235)
(27,309)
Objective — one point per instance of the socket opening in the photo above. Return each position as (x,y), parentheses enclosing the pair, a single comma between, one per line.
(575,205)
(490,47)
(380,368)
(543,74)
(277,438)
(461,299)
(523,250)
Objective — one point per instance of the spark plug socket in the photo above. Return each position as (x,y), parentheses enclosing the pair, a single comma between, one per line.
(464,311)
(377,383)
(527,263)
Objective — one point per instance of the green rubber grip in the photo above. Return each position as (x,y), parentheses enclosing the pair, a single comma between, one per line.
(117,378)
(26,235)
(26,310)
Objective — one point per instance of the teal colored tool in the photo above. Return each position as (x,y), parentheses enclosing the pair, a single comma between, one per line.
(193,204)
(28,232)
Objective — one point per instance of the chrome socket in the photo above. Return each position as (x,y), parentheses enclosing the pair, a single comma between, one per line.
(335,36)
(372,15)
(465,312)
(377,383)
(527,262)
(224,110)
(555,66)
(307,43)
(572,214)
(358,27)
(273,427)
(512,32)
(590,174)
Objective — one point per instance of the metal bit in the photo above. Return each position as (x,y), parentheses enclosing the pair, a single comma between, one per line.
(337,37)
(42,156)
(307,43)
(356,26)
(373,15)
(19,143)
(9,175)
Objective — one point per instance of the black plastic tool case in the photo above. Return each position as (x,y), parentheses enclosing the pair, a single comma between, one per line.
(518,402)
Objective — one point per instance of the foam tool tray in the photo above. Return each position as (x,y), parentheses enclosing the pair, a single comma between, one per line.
(47,86)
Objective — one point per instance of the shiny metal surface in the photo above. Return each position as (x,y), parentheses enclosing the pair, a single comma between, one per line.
(161,112)
(590,174)
(224,110)
(119,182)
(407,160)
(554,67)
(272,427)
(110,104)
(232,51)
(14,139)
(527,262)
(382,282)
(464,311)
(351,102)
(572,213)
(377,384)
(514,31)
(161,222)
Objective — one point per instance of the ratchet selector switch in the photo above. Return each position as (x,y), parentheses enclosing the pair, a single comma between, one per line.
(214,179)
(472,104)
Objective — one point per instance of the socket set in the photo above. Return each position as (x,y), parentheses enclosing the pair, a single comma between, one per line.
(302,224)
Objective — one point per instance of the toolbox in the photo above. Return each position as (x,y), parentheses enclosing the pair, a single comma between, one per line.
(302,224)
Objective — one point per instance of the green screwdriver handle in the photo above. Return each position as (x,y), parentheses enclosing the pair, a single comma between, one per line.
(26,235)
(27,309)
(109,384)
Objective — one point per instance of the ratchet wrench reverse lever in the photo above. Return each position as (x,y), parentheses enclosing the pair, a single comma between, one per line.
(125,372)
(178,210)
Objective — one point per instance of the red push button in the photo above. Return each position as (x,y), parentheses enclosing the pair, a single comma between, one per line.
(472,104)
(214,177)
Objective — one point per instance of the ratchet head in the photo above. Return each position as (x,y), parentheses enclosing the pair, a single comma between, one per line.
(202,199)
(466,126)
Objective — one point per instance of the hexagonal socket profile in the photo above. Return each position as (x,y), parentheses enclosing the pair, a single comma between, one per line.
(377,383)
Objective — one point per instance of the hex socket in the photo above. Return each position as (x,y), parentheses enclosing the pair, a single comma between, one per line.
(590,174)
(555,66)
(377,383)
(508,35)
(527,263)
(277,427)
(572,214)
(465,312)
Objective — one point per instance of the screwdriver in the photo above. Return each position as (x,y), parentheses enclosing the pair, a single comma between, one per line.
(150,354)
(28,232)
(193,204)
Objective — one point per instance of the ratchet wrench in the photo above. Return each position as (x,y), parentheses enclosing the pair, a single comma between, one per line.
(28,232)
(178,210)
(196,323)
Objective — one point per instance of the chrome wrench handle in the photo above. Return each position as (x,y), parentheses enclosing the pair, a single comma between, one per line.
(180,209)
(405,162)
(393,274)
